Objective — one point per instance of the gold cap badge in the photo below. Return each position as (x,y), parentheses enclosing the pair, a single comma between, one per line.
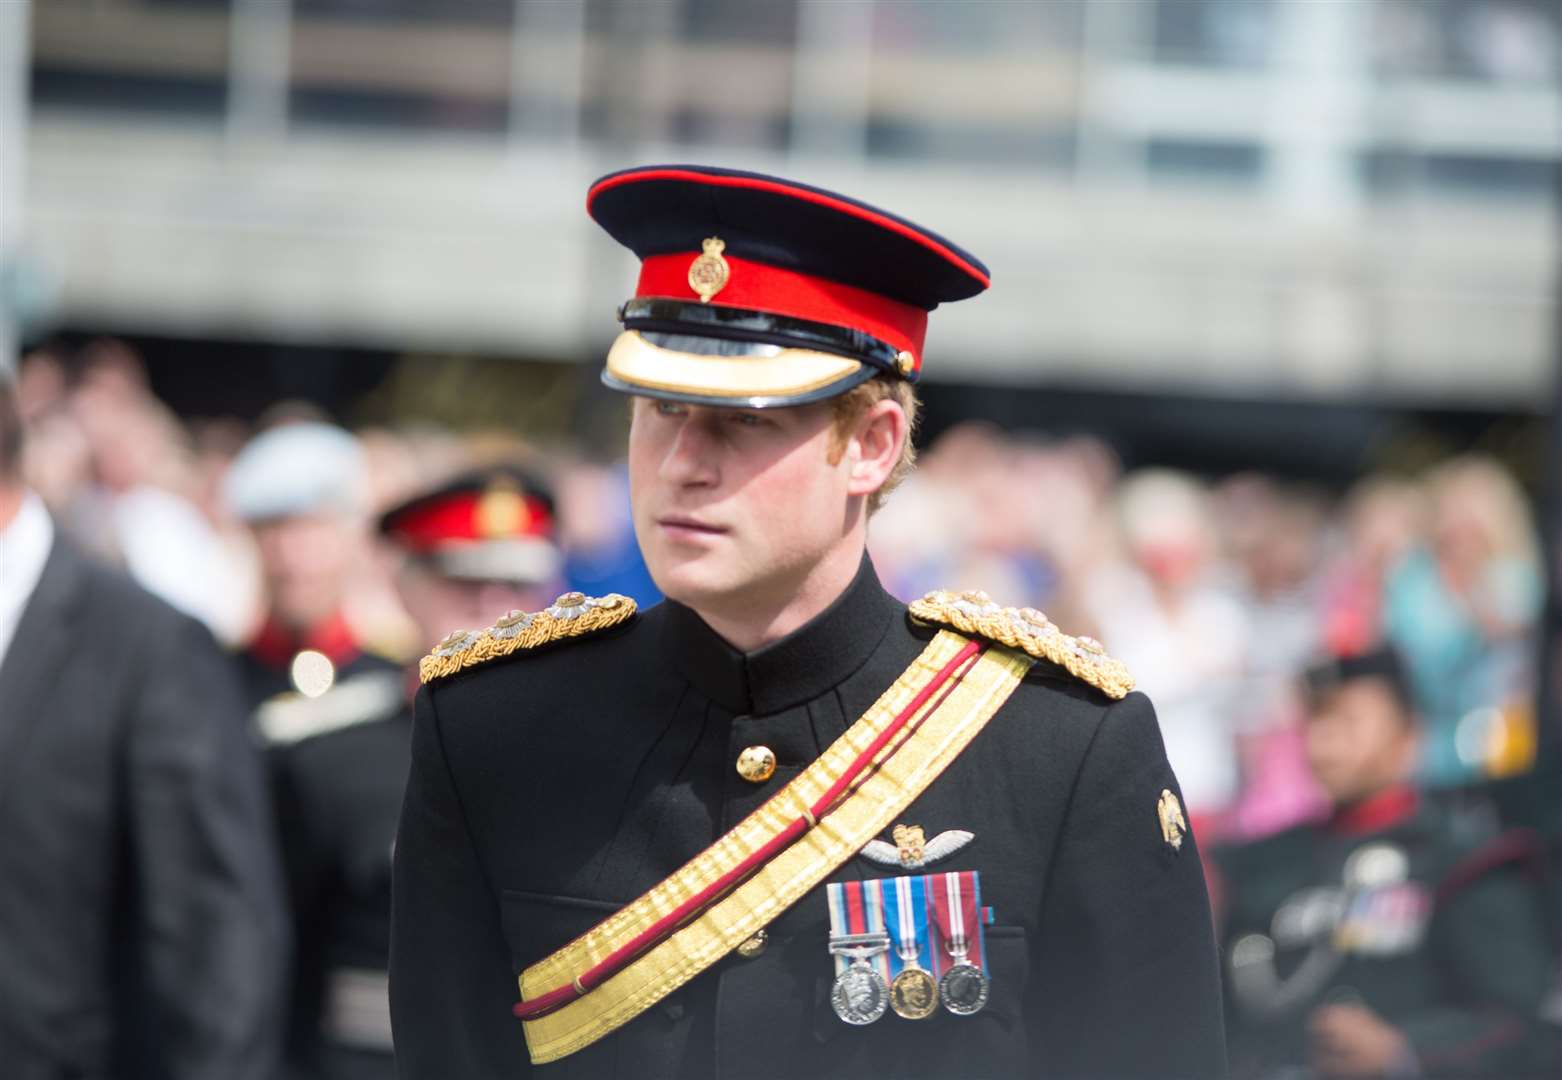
(1173,825)
(501,512)
(709,273)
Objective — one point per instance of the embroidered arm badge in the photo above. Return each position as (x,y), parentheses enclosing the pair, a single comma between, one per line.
(1029,631)
(571,615)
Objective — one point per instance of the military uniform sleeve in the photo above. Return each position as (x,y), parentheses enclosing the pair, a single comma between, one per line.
(451,983)
(1490,949)
(210,925)
(1128,969)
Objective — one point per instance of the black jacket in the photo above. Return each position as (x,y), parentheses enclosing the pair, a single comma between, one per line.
(550,789)
(338,795)
(1447,943)
(141,923)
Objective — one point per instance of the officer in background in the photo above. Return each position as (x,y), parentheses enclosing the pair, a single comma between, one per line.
(481,542)
(780,825)
(1395,939)
(302,488)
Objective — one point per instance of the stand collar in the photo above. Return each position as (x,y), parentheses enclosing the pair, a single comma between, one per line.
(801,666)
(1375,813)
(275,646)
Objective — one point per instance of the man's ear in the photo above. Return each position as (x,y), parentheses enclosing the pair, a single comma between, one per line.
(873,450)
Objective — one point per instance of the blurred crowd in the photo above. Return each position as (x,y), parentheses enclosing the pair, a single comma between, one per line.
(1218,595)
(1215,594)
(328,561)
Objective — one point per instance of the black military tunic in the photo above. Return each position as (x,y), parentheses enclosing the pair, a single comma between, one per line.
(1399,905)
(549,789)
(338,795)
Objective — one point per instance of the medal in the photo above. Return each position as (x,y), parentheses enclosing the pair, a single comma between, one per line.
(861,993)
(914,991)
(956,906)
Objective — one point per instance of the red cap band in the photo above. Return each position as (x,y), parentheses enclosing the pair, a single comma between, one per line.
(468,516)
(756,286)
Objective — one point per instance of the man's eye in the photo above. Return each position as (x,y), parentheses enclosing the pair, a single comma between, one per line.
(748,419)
(669,408)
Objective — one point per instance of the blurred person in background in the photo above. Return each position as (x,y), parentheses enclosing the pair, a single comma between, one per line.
(1275,538)
(481,543)
(600,553)
(1183,635)
(302,487)
(142,932)
(1462,610)
(1383,521)
(117,469)
(1394,939)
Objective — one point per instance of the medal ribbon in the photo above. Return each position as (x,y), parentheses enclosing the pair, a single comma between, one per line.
(957,909)
(905,903)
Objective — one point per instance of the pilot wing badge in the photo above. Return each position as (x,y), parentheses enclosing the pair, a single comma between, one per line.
(911,851)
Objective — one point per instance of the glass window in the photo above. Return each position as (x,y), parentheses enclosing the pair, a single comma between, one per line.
(399,64)
(1218,33)
(765,22)
(168,57)
(1387,173)
(1204,161)
(1502,41)
(975,81)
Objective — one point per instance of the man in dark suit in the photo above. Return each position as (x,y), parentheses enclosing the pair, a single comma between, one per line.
(781,825)
(141,926)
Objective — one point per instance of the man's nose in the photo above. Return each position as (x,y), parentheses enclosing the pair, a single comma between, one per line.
(691,459)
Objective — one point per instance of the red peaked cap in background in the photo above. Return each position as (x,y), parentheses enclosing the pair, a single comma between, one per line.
(496,523)
(806,293)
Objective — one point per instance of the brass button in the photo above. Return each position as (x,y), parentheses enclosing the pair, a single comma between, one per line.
(756,764)
(754,946)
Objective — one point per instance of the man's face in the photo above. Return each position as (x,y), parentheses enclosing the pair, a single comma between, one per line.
(734,504)
(306,560)
(1359,740)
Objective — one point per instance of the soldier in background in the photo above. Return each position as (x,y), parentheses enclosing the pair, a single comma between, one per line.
(481,543)
(1395,939)
(302,489)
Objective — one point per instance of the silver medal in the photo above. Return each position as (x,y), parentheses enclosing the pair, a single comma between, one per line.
(860,995)
(963,989)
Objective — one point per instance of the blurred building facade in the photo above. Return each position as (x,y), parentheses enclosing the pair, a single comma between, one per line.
(1333,200)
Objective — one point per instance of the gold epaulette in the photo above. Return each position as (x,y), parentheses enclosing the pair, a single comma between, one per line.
(1029,631)
(571,615)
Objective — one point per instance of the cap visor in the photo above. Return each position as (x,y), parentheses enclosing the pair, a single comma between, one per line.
(519,561)
(741,374)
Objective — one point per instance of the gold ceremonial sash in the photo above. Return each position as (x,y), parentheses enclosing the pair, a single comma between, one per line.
(887,790)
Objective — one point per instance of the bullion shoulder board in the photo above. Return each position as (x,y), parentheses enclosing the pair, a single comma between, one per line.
(572,615)
(1029,631)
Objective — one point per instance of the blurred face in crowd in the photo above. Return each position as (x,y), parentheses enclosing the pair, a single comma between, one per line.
(306,560)
(737,508)
(1359,739)
(441,604)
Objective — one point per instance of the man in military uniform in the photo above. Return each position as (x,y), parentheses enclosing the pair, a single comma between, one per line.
(779,825)
(302,488)
(1395,939)
(484,541)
